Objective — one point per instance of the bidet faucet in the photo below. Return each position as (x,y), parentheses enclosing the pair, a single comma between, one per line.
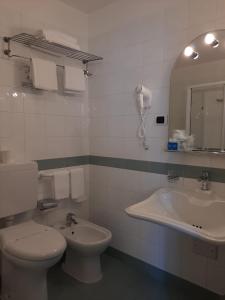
(70,219)
(204,179)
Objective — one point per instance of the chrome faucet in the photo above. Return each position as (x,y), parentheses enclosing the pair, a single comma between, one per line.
(70,219)
(204,179)
(172,176)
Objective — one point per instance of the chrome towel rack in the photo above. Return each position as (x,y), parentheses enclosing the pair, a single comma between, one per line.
(50,48)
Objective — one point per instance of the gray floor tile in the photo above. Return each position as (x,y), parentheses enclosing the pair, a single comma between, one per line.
(120,281)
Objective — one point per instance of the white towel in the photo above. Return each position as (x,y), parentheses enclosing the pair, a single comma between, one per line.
(57,37)
(44,74)
(60,184)
(77,184)
(74,79)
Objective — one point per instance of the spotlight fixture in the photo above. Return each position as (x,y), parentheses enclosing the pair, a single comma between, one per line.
(211,40)
(190,52)
(15,94)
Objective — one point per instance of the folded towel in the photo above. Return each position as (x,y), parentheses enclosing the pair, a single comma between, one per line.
(44,74)
(60,184)
(77,184)
(74,79)
(57,37)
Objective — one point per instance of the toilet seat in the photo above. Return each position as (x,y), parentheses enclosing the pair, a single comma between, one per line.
(31,241)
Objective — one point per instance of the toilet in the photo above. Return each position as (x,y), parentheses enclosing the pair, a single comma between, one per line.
(28,249)
(86,242)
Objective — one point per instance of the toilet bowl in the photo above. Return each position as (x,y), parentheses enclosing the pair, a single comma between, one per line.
(28,251)
(86,241)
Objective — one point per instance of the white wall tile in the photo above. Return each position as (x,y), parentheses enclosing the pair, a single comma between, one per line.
(17,146)
(151,35)
(4,103)
(55,147)
(194,267)
(72,106)
(99,127)
(17,125)
(14,15)
(140,47)
(73,146)
(176,16)
(55,126)
(5,124)
(35,148)
(45,113)
(34,103)
(73,126)
(34,125)
(195,11)
(11,100)
(170,248)
(215,278)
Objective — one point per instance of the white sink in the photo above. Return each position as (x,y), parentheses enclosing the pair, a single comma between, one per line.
(197,213)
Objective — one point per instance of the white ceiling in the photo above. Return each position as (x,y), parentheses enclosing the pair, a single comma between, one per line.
(88,6)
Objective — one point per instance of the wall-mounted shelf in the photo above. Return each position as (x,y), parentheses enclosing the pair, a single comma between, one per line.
(200,152)
(52,48)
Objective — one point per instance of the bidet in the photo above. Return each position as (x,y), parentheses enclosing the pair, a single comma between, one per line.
(85,242)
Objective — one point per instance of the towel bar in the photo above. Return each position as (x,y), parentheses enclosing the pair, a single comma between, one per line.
(32,41)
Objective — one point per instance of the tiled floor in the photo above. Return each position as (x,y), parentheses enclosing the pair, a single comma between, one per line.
(121,282)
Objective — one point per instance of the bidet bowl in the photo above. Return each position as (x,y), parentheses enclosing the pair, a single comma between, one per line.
(87,239)
(86,242)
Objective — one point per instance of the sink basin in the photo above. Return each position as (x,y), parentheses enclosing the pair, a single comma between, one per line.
(200,214)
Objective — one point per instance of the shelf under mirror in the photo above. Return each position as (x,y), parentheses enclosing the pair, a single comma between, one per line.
(198,151)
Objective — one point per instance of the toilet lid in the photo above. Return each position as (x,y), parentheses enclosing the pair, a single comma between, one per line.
(39,246)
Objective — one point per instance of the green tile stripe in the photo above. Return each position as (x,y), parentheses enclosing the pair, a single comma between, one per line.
(64,162)
(187,171)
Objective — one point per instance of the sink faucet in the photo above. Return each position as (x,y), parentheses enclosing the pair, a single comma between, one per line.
(172,176)
(70,219)
(204,179)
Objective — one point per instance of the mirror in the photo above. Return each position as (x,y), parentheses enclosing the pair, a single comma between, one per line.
(197,92)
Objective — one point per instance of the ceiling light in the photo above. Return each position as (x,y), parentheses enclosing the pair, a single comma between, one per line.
(15,94)
(190,52)
(211,40)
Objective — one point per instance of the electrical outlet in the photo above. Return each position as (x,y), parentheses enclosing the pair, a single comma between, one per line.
(161,120)
(205,249)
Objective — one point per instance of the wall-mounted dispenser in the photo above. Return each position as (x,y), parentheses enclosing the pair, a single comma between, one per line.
(144,103)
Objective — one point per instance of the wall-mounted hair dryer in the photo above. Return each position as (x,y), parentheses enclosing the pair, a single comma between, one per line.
(144,97)
(144,102)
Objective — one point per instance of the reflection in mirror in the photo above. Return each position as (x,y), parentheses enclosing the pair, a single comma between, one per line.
(206,116)
(197,92)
